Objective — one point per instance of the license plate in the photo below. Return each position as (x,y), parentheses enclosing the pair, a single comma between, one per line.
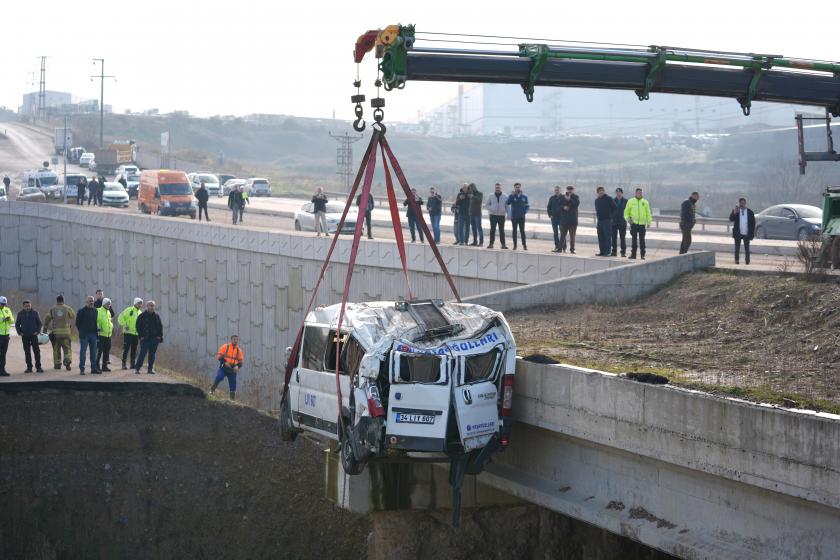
(403,418)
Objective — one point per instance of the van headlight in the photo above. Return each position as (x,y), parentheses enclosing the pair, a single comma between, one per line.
(166,204)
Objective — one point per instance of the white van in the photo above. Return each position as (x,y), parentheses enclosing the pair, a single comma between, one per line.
(420,376)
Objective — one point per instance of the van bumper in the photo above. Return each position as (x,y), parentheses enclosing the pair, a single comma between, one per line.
(414,443)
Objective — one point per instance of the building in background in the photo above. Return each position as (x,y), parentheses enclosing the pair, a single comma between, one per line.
(501,109)
(52,100)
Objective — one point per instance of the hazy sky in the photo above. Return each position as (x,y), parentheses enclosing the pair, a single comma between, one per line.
(239,57)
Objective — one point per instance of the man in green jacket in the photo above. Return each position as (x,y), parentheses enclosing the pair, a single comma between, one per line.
(128,323)
(104,330)
(6,321)
(59,322)
(638,215)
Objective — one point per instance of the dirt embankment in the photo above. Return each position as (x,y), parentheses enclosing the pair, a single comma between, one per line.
(767,337)
(98,475)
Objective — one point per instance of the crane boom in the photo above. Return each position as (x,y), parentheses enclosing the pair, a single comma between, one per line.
(657,69)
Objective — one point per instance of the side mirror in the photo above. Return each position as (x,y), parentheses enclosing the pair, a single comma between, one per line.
(288,353)
(793,217)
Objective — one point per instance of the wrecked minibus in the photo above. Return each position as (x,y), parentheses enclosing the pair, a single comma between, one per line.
(422,376)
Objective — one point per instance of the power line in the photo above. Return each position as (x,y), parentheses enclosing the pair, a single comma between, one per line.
(101,77)
(42,89)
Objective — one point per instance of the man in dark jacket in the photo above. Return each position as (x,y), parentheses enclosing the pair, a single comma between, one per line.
(518,207)
(368,210)
(150,333)
(100,192)
(86,319)
(80,191)
(413,220)
(123,182)
(202,196)
(569,219)
(434,204)
(235,203)
(476,200)
(461,210)
(619,224)
(28,325)
(555,203)
(93,189)
(743,228)
(688,217)
(604,208)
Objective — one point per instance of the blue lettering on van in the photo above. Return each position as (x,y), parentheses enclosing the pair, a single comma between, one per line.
(309,399)
(488,338)
(482,426)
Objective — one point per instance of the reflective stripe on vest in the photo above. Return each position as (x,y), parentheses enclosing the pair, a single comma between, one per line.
(231,359)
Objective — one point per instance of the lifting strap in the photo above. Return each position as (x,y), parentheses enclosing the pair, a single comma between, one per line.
(366,169)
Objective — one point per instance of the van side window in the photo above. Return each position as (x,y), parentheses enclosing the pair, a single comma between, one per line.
(314,344)
(351,356)
(330,354)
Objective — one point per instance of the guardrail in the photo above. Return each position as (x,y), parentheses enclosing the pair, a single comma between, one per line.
(588,216)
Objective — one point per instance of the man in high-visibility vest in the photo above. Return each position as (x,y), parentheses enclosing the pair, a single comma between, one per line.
(230,358)
(638,215)
(128,322)
(104,330)
(6,322)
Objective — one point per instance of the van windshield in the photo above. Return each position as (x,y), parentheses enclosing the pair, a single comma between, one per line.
(420,368)
(48,180)
(175,188)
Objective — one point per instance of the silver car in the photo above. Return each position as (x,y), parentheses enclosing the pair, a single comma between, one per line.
(257,186)
(31,194)
(305,218)
(113,194)
(788,221)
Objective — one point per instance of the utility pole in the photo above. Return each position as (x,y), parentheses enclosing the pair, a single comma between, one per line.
(42,89)
(344,157)
(101,77)
(65,161)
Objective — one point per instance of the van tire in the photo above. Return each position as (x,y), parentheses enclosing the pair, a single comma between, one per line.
(297,226)
(349,463)
(287,430)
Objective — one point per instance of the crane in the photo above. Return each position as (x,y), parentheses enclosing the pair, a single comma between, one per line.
(745,77)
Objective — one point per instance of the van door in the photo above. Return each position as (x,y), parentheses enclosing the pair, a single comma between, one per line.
(312,388)
(418,402)
(476,397)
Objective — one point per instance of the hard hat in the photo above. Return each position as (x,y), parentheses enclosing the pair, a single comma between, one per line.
(138,300)
(43,338)
(3,300)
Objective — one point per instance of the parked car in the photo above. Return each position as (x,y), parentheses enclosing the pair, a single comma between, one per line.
(31,194)
(128,169)
(224,178)
(305,218)
(232,184)
(132,182)
(3,194)
(71,185)
(113,194)
(788,221)
(86,159)
(211,183)
(257,186)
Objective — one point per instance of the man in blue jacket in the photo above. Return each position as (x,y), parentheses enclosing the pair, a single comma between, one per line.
(28,325)
(86,324)
(604,208)
(518,206)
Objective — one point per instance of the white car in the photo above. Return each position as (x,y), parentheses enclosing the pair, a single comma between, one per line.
(421,376)
(211,183)
(113,194)
(3,194)
(86,159)
(257,186)
(305,218)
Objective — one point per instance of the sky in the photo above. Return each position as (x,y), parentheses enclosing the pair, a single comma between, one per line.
(295,58)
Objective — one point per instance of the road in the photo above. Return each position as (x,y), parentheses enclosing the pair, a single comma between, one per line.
(26,147)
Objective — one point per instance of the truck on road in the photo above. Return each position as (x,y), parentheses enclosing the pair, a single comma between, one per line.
(118,152)
(63,138)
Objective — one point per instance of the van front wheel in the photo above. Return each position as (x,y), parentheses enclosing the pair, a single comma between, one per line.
(287,430)
(349,462)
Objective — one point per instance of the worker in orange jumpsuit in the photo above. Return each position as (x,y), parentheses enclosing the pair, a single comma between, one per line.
(230,358)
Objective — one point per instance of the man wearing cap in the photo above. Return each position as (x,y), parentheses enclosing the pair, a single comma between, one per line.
(128,323)
(104,330)
(6,321)
(28,325)
(86,324)
(59,323)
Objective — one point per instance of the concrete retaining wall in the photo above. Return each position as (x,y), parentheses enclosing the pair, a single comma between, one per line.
(608,287)
(211,280)
(689,473)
